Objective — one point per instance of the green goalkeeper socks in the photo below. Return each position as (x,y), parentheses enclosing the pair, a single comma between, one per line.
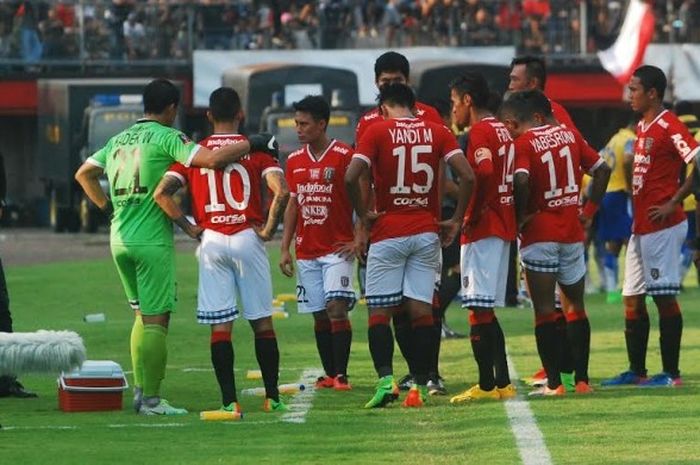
(136,348)
(154,355)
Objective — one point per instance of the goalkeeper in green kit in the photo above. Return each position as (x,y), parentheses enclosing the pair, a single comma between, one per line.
(135,161)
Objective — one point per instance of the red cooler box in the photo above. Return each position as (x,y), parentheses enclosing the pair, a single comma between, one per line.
(97,386)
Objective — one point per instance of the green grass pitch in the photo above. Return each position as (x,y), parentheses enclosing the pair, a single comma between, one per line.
(622,426)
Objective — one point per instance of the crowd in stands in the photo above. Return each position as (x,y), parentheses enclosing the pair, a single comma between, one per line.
(167,29)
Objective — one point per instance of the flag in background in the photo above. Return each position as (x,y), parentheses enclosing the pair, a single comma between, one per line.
(627,53)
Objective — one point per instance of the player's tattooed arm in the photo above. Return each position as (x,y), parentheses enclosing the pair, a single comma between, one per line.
(88,176)
(521,196)
(357,171)
(275,181)
(163,196)
(290,226)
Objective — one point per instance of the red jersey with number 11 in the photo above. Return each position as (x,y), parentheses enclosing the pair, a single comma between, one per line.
(555,157)
(404,154)
(227,200)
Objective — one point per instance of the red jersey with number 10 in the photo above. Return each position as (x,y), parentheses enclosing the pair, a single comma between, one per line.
(324,211)
(490,153)
(661,148)
(404,154)
(555,157)
(228,200)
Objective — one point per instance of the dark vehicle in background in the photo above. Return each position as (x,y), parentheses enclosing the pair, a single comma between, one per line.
(268,90)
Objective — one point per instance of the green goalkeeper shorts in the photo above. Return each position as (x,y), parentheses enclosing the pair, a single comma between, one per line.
(148,276)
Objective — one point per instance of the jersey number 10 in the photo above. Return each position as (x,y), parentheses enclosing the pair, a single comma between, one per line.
(214,205)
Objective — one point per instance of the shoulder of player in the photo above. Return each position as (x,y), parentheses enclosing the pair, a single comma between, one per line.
(668,121)
(369,116)
(341,148)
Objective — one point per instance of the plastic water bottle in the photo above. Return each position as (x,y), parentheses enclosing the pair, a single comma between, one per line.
(253,374)
(292,388)
(95,318)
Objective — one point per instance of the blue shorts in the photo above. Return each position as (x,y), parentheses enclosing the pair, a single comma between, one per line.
(691,227)
(614,218)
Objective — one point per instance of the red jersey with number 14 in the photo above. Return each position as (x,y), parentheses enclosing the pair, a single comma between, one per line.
(227,200)
(404,154)
(324,211)
(555,158)
(661,148)
(490,153)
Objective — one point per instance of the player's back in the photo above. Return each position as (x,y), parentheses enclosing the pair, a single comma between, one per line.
(422,111)
(490,211)
(552,156)
(228,200)
(621,143)
(404,154)
(135,161)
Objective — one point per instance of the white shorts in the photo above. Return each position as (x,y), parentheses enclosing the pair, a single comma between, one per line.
(228,264)
(402,267)
(566,261)
(323,279)
(484,268)
(652,263)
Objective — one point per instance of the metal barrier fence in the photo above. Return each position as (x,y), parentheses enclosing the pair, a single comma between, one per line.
(41,35)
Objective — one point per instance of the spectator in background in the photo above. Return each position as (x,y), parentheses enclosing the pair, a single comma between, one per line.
(115,16)
(53,31)
(26,19)
(214,22)
(482,32)
(135,38)
(392,22)
(509,22)
(537,13)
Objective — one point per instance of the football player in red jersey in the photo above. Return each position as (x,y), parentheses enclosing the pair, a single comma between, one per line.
(549,164)
(489,229)
(530,73)
(390,68)
(227,205)
(404,154)
(659,228)
(319,214)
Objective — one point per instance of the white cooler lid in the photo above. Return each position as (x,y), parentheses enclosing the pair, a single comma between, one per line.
(96,369)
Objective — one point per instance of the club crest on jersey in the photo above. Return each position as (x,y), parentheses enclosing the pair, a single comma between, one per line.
(344,281)
(465,281)
(328,174)
(315,173)
(655,273)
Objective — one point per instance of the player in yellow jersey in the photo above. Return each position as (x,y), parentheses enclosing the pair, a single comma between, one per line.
(684,110)
(614,216)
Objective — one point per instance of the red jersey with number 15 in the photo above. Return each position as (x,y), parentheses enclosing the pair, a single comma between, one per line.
(490,153)
(404,154)
(555,157)
(661,148)
(228,200)
(324,211)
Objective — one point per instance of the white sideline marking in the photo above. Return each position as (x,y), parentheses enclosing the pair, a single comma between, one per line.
(301,402)
(528,437)
(25,428)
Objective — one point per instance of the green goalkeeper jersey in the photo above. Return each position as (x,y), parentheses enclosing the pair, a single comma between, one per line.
(135,161)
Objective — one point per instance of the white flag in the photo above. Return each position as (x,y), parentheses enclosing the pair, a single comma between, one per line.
(627,53)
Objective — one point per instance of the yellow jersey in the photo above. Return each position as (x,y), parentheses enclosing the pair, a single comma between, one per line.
(614,152)
(694,127)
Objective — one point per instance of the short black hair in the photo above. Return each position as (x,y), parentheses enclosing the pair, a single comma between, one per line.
(474,85)
(524,105)
(397,94)
(390,62)
(158,95)
(315,105)
(683,107)
(651,77)
(224,104)
(495,100)
(535,68)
